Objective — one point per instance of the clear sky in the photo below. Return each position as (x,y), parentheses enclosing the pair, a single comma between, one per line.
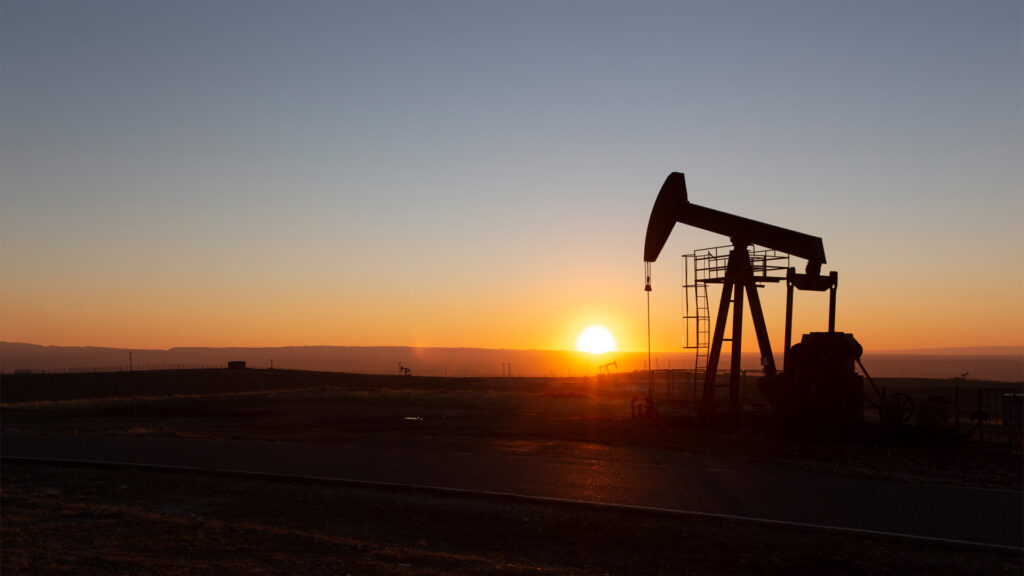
(481,174)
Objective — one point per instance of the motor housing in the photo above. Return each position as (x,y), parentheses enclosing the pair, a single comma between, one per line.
(820,389)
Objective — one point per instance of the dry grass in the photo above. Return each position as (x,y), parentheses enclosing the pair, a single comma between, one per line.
(75,520)
(471,414)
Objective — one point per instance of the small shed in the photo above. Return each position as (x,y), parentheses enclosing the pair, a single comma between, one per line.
(236,365)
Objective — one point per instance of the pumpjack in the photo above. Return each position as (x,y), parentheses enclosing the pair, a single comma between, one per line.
(818,386)
(605,369)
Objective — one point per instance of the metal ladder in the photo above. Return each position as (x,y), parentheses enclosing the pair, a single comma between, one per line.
(696,314)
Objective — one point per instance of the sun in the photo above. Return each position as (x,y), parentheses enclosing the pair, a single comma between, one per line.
(595,340)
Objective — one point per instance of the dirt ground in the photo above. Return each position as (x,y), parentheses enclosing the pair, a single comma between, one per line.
(87,520)
(459,413)
(75,519)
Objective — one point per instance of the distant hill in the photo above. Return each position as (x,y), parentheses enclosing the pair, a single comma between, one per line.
(365,359)
(962,351)
(989,363)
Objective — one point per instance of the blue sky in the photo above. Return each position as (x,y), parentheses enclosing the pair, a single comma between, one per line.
(461,173)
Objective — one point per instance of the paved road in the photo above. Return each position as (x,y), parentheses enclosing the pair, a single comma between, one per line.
(651,478)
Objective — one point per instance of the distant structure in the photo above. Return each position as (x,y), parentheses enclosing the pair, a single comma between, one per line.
(403,370)
(604,369)
(236,365)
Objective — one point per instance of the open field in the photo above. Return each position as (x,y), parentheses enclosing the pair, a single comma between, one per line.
(123,520)
(473,414)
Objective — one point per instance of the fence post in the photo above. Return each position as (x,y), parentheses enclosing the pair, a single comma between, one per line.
(1003,413)
(981,421)
(956,409)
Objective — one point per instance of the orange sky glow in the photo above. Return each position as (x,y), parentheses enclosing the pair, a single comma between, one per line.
(481,175)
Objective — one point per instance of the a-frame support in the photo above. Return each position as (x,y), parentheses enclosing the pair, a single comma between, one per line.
(739,278)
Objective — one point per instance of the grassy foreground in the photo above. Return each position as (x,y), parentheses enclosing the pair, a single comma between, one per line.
(88,520)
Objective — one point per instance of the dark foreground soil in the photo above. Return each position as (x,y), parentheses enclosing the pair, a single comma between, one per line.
(475,414)
(88,520)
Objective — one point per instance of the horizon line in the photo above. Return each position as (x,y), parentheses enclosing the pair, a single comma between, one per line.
(1003,350)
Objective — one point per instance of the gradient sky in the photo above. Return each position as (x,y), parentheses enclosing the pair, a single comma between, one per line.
(481,174)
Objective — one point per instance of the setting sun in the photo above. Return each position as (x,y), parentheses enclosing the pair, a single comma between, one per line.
(595,340)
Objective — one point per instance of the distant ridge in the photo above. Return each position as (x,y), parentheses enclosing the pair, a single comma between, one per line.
(962,351)
(1002,363)
(424,361)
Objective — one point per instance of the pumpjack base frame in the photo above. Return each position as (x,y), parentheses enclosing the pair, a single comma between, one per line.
(739,278)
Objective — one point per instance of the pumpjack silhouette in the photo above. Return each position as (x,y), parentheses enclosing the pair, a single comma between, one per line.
(818,387)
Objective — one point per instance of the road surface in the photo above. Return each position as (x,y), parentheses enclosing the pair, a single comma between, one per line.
(613,475)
